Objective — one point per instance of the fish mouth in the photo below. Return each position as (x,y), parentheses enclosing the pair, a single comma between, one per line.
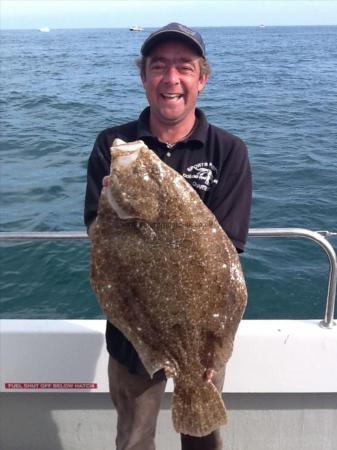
(124,153)
(126,159)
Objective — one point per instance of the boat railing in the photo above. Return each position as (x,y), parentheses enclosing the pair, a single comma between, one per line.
(319,237)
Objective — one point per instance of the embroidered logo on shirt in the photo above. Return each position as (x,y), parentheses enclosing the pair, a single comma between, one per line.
(202,175)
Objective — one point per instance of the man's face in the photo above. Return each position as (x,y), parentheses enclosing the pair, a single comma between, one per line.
(172,82)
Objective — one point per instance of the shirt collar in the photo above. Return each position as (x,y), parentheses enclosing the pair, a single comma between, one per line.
(198,137)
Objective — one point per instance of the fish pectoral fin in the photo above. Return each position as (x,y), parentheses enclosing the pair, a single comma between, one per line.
(197,410)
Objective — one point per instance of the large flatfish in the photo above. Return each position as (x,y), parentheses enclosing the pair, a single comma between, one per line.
(169,278)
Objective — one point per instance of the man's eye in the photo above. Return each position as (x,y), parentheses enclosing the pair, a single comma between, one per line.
(157,67)
(186,68)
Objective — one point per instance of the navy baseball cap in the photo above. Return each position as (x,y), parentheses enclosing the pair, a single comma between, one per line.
(174,31)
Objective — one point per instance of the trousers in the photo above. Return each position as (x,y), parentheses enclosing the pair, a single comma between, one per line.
(137,401)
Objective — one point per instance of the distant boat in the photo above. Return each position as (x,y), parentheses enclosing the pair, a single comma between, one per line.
(261,26)
(44,30)
(136,28)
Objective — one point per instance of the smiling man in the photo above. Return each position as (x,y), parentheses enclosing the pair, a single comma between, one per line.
(174,71)
(172,80)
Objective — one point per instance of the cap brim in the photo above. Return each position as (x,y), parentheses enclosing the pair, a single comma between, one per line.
(161,36)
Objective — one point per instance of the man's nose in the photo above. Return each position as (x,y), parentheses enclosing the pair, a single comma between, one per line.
(171,75)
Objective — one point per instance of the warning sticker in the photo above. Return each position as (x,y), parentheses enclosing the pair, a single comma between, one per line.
(37,386)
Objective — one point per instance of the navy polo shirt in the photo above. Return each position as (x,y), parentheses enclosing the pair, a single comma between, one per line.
(212,160)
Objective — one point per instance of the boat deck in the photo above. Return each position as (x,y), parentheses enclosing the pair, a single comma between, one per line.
(280,388)
(87,422)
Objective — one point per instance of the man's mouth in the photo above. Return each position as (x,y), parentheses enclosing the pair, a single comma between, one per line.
(171,96)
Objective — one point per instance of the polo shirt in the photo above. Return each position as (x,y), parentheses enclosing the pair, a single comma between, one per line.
(212,160)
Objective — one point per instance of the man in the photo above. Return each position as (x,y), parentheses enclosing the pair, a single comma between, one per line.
(174,71)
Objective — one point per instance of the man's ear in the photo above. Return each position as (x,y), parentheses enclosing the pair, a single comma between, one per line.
(202,83)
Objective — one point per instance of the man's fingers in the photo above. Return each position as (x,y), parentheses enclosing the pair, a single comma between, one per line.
(105,181)
(170,371)
(209,374)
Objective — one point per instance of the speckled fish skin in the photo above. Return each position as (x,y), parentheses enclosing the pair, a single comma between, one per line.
(166,274)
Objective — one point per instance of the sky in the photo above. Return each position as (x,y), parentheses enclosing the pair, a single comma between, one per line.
(26,14)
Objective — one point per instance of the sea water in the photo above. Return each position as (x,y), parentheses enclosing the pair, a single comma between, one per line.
(275,87)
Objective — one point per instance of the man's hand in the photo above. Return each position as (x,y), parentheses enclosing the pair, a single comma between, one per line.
(209,374)
(105,181)
(170,371)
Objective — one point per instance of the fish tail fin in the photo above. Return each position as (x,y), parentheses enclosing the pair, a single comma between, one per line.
(197,412)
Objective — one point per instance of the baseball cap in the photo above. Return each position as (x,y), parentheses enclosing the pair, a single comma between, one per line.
(177,31)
